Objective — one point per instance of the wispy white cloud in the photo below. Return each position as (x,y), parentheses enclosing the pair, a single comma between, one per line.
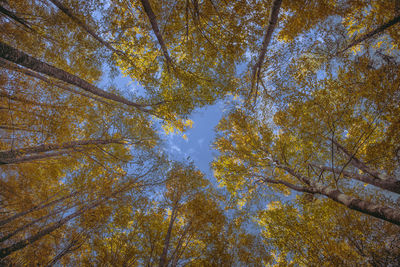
(200,142)
(175,148)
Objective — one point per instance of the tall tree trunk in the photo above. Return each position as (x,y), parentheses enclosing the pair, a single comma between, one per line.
(70,14)
(361,165)
(11,66)
(36,208)
(4,252)
(18,128)
(30,102)
(378,211)
(272,21)
(154,25)
(163,257)
(26,226)
(175,255)
(12,156)
(390,184)
(23,159)
(372,33)
(13,16)
(72,245)
(18,57)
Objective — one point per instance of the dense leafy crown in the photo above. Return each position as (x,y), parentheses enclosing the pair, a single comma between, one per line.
(307,152)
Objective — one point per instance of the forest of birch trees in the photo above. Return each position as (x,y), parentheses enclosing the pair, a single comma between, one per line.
(306,158)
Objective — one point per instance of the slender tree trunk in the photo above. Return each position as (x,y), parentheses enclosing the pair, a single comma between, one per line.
(17,128)
(18,57)
(36,208)
(272,21)
(15,153)
(35,157)
(73,245)
(26,226)
(361,165)
(378,211)
(163,258)
(11,66)
(175,256)
(154,25)
(13,16)
(70,14)
(372,33)
(27,101)
(390,184)
(4,252)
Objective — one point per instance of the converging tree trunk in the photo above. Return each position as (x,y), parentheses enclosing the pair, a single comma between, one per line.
(11,66)
(70,14)
(33,153)
(378,211)
(18,57)
(372,33)
(4,252)
(36,208)
(163,257)
(272,21)
(154,25)
(390,184)
(14,17)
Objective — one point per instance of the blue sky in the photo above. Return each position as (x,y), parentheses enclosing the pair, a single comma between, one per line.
(198,145)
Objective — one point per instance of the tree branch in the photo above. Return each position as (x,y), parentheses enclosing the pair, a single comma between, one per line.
(70,14)
(370,34)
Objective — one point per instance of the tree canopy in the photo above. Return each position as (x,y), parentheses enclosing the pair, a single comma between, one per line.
(307,153)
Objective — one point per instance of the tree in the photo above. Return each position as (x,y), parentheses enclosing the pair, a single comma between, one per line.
(320,125)
(320,232)
(314,120)
(184,226)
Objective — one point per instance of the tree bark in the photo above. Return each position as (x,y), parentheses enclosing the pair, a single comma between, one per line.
(70,14)
(11,66)
(26,226)
(154,25)
(378,211)
(163,257)
(13,16)
(18,57)
(4,252)
(27,101)
(175,255)
(72,245)
(372,33)
(31,158)
(392,185)
(13,156)
(272,21)
(36,208)
(361,165)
